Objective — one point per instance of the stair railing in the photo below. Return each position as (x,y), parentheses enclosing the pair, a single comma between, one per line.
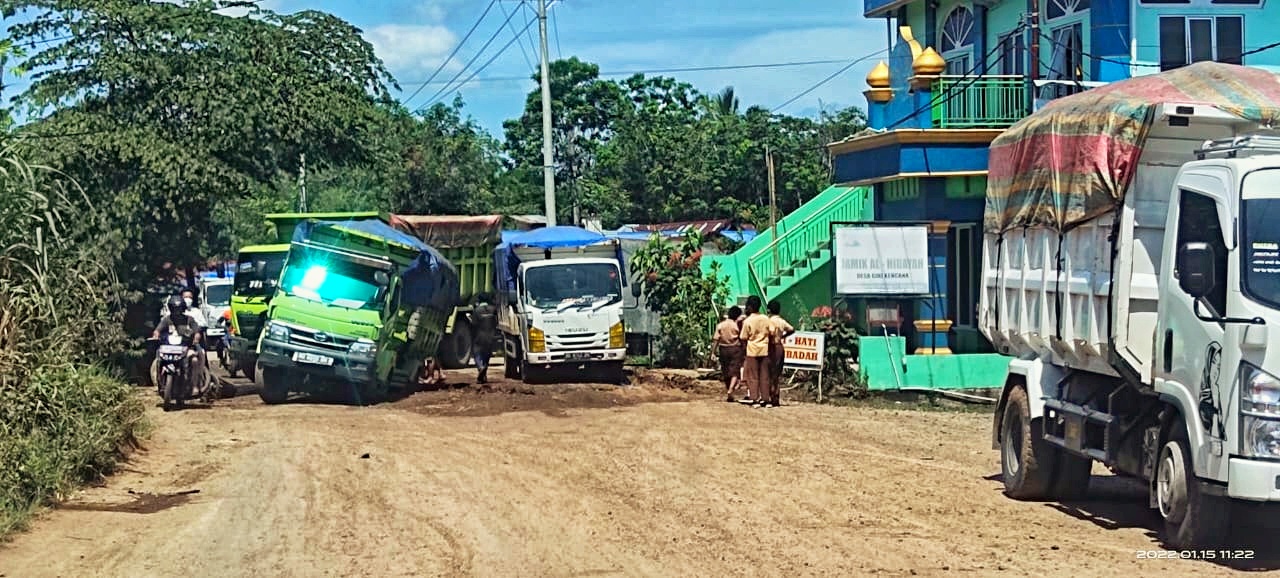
(795,245)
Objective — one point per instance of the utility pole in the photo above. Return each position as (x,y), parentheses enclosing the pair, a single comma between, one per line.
(548,158)
(773,209)
(302,184)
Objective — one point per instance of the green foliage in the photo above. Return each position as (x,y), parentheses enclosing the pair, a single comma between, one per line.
(61,418)
(673,285)
(840,350)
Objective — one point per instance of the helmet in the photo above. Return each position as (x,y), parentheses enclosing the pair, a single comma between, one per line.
(176,305)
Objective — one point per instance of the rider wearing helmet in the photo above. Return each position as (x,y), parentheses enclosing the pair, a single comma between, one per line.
(180,321)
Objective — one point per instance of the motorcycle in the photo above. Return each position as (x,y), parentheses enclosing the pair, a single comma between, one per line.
(174,381)
(220,343)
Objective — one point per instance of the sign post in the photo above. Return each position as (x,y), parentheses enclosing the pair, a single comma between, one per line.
(805,350)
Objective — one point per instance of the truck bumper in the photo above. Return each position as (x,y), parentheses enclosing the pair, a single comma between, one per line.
(349,367)
(1254,480)
(590,356)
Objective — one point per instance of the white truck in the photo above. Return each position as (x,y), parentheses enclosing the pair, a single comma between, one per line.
(560,305)
(1143,334)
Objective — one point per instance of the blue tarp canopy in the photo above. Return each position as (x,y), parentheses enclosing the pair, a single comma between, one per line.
(549,237)
(429,280)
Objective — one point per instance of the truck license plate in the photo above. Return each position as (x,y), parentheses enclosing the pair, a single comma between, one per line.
(312,358)
(577,356)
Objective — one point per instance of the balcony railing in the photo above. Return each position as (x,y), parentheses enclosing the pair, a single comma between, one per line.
(985,102)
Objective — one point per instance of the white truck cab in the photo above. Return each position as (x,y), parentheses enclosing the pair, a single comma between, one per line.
(564,312)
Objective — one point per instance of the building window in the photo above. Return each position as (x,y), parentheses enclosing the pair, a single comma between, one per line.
(1063,8)
(1068,53)
(957,41)
(1188,39)
(1013,54)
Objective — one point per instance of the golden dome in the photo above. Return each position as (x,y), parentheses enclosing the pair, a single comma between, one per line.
(929,63)
(879,76)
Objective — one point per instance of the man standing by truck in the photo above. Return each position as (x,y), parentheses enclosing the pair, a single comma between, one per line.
(484,329)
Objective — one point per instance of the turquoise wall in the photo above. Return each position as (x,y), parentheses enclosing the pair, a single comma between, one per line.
(1260,29)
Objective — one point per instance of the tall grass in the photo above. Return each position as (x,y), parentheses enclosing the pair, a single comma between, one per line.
(63,415)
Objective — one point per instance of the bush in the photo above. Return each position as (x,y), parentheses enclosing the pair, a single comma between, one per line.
(62,416)
(686,300)
(840,350)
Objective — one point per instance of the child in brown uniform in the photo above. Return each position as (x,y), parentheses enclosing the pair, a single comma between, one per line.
(757,332)
(782,330)
(728,346)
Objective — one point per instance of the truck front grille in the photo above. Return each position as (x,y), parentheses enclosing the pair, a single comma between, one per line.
(318,339)
(578,341)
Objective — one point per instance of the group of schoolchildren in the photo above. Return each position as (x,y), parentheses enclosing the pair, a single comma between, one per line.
(751,352)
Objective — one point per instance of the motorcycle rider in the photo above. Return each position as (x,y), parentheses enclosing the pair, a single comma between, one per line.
(180,321)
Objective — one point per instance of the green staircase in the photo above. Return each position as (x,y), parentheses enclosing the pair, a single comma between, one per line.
(774,267)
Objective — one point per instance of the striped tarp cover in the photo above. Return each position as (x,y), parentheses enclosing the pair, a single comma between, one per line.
(1073,160)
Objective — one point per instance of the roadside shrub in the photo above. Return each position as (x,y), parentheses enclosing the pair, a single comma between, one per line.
(841,352)
(62,415)
(686,301)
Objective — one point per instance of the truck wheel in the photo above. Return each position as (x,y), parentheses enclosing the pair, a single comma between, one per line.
(372,392)
(614,373)
(455,347)
(1192,519)
(530,374)
(1026,460)
(251,368)
(274,388)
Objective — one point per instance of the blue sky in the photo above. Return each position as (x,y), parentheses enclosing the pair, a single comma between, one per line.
(413,37)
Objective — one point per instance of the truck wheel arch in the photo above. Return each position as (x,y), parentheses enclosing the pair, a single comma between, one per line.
(1181,411)
(1027,374)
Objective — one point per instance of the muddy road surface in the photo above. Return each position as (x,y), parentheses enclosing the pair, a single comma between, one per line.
(659,479)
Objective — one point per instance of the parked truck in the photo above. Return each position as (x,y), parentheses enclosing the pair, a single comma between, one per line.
(257,271)
(560,303)
(468,243)
(1132,267)
(359,307)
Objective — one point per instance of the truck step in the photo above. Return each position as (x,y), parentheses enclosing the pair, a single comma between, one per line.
(1076,421)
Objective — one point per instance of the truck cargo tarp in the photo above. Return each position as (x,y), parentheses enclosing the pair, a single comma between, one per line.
(1073,160)
(429,280)
(451,231)
(506,261)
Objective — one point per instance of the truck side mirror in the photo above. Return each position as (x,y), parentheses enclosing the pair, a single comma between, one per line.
(636,290)
(1196,269)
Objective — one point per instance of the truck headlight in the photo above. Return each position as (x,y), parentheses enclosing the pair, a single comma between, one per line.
(1259,391)
(617,336)
(363,347)
(1261,437)
(277,332)
(537,340)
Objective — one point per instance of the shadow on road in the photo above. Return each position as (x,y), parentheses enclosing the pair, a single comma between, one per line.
(1117,502)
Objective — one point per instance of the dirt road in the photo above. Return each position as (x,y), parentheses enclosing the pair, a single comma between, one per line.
(656,479)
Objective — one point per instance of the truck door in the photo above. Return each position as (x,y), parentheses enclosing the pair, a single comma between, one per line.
(1190,351)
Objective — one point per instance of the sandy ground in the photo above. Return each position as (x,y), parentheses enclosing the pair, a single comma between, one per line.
(657,479)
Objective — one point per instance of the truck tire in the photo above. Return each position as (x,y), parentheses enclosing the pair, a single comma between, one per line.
(510,367)
(275,389)
(1192,519)
(251,368)
(455,346)
(1026,460)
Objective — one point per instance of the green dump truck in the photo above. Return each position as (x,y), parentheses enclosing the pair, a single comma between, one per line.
(468,243)
(359,306)
(258,269)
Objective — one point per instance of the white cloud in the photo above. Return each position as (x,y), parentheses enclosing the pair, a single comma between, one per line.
(412,50)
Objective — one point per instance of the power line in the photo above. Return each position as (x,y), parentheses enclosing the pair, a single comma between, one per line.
(464,68)
(1059,44)
(495,56)
(512,28)
(828,79)
(455,51)
(533,14)
(556,27)
(675,70)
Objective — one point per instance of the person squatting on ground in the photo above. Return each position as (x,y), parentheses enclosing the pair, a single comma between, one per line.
(727,344)
(782,330)
(757,331)
(484,329)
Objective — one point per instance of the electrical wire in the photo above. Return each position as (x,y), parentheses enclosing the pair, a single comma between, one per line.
(512,28)
(455,51)
(674,70)
(829,78)
(556,27)
(495,56)
(1055,42)
(464,68)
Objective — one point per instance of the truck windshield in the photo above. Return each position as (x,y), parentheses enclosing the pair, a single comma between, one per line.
(555,285)
(1261,275)
(217,295)
(256,275)
(326,278)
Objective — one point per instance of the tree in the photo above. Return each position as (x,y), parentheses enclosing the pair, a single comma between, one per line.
(165,111)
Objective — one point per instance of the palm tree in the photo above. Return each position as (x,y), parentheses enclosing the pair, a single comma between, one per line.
(723,103)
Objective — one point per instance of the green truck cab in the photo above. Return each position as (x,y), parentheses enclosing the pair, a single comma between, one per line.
(258,269)
(359,307)
(468,242)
